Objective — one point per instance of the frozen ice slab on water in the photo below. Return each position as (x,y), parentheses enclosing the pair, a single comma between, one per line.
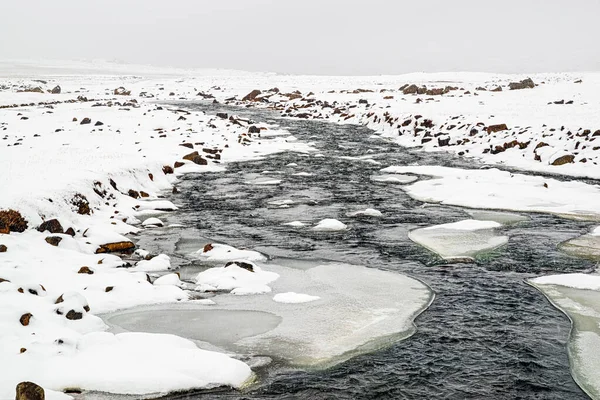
(394,178)
(291,297)
(359,309)
(223,252)
(586,246)
(459,240)
(578,295)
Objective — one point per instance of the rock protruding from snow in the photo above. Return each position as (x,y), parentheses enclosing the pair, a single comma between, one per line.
(236,279)
(223,252)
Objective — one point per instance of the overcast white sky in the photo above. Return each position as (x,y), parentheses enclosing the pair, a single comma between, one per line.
(347,37)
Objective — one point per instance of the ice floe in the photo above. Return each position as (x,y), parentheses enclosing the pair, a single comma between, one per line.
(330,225)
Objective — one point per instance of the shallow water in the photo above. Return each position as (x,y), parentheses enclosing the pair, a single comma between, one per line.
(486,335)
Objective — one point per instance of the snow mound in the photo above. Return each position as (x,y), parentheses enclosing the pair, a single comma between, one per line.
(236,279)
(161,262)
(152,222)
(223,252)
(330,225)
(293,298)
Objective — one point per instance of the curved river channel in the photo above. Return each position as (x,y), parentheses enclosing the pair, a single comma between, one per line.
(486,335)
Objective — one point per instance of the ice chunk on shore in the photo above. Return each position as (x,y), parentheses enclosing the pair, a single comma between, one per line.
(330,224)
(291,297)
(223,252)
(296,224)
(459,240)
(578,295)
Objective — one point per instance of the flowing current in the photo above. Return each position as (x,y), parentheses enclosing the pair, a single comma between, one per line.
(487,333)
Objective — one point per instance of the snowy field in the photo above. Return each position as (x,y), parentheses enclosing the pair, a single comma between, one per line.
(88,153)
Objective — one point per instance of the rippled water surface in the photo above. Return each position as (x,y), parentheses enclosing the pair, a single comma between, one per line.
(487,334)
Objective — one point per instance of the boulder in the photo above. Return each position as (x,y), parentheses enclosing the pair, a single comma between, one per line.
(85,121)
(25,319)
(253,129)
(12,221)
(178,164)
(85,270)
(133,193)
(52,226)
(167,169)
(115,247)
(56,90)
(411,89)
(222,115)
(524,84)
(252,95)
(74,315)
(195,158)
(242,264)
(70,232)
(3,248)
(30,391)
(566,159)
(53,240)
(496,128)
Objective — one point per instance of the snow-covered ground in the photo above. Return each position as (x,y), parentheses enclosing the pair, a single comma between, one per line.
(97,154)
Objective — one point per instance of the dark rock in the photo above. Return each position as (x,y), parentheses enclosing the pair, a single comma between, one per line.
(252,95)
(178,164)
(12,221)
(74,315)
(188,145)
(167,169)
(109,289)
(222,115)
(411,89)
(82,204)
(85,121)
(30,391)
(53,240)
(195,158)
(25,319)
(253,129)
(443,141)
(3,249)
(133,193)
(115,247)
(52,226)
(566,159)
(56,90)
(70,232)
(524,84)
(496,128)
(144,194)
(241,264)
(207,247)
(99,123)
(85,270)
(497,89)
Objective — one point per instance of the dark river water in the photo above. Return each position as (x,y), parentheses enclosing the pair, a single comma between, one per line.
(487,334)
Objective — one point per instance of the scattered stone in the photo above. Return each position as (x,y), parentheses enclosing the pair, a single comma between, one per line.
(253,129)
(222,115)
(53,240)
(121,91)
(252,95)
(30,391)
(85,270)
(195,158)
(70,232)
(25,319)
(3,249)
(496,128)
(115,247)
(82,203)
(175,190)
(133,193)
(524,84)
(85,121)
(12,221)
(241,264)
(178,164)
(167,169)
(52,226)
(109,289)
(98,123)
(497,89)
(566,159)
(208,247)
(56,90)
(144,194)
(74,315)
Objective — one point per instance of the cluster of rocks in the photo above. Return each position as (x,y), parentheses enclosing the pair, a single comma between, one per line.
(423,90)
